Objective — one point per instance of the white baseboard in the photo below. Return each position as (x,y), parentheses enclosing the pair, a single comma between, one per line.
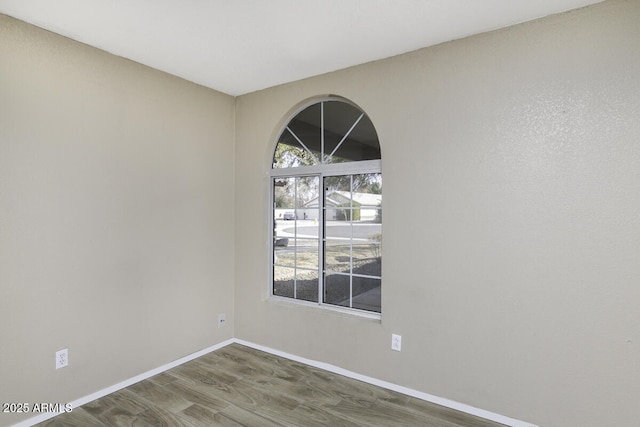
(467,409)
(321,365)
(124,384)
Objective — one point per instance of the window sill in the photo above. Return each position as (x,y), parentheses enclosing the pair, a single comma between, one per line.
(326,307)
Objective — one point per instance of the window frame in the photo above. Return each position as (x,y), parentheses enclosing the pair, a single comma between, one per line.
(321,171)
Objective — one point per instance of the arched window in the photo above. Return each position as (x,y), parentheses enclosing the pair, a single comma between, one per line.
(327,208)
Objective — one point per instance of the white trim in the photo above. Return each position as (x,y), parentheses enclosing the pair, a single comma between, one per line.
(467,409)
(126,383)
(373,315)
(491,416)
(330,169)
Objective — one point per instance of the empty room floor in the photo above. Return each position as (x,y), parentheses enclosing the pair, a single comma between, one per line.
(241,386)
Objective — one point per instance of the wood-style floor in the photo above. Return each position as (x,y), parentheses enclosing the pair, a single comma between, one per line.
(241,386)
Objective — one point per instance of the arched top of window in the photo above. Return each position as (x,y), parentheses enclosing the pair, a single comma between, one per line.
(329,131)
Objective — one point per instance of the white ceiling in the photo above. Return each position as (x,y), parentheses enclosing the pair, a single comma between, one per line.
(239,46)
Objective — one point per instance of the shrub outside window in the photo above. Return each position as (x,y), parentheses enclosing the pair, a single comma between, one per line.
(326,193)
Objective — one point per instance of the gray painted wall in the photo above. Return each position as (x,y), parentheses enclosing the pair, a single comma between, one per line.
(511,169)
(511,259)
(115,234)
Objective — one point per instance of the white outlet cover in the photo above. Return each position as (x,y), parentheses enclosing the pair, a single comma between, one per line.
(62,358)
(396,342)
(222,319)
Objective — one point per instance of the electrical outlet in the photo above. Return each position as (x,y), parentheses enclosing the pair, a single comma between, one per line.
(396,342)
(222,319)
(62,358)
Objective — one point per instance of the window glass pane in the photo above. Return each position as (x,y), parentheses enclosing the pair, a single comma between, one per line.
(366,293)
(284,195)
(367,197)
(341,215)
(283,281)
(305,130)
(367,258)
(307,285)
(307,253)
(363,293)
(287,230)
(306,230)
(340,184)
(339,118)
(282,232)
(289,153)
(368,183)
(360,144)
(297,253)
(337,229)
(295,283)
(337,290)
(284,256)
(307,193)
(296,200)
(337,257)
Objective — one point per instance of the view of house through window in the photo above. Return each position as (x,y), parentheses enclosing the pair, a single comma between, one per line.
(327,208)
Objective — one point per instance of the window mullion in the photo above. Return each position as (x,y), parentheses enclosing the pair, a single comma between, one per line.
(321,208)
(295,238)
(321,240)
(322,133)
(351,241)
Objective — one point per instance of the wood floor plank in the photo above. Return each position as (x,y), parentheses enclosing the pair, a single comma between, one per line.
(162,378)
(221,390)
(342,388)
(118,417)
(118,399)
(303,391)
(237,386)
(236,416)
(198,416)
(206,373)
(201,394)
(320,416)
(418,406)
(378,416)
(158,417)
(159,396)
(260,363)
(254,395)
(76,418)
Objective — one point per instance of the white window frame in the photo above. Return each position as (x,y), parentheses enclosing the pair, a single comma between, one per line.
(321,171)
